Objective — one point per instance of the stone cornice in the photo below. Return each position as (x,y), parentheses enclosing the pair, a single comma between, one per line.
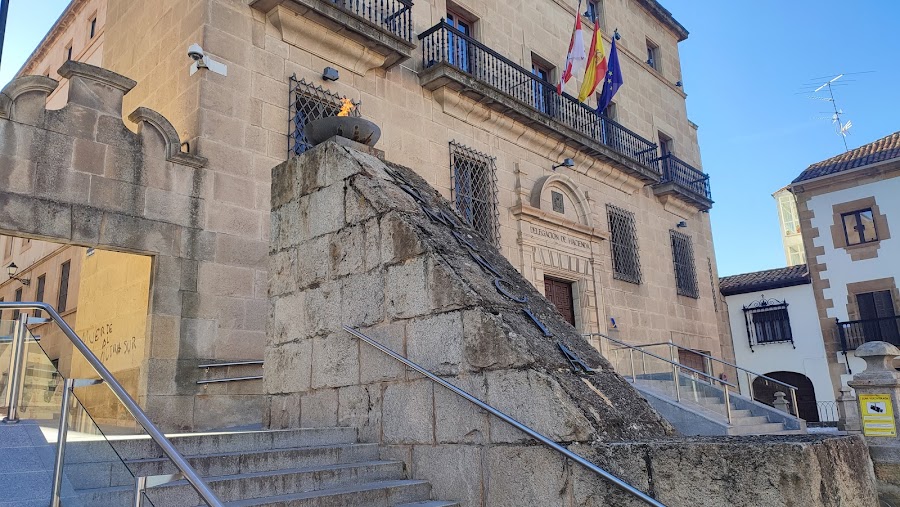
(538,215)
(845,179)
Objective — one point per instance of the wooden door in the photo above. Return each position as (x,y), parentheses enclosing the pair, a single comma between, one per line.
(560,294)
(693,360)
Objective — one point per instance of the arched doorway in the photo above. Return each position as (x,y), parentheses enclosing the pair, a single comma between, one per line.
(764,392)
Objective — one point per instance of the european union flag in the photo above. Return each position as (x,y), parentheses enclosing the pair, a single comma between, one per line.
(613,79)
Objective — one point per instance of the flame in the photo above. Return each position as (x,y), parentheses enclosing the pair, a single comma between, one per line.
(346,107)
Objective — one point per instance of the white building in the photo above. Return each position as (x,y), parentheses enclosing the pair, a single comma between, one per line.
(847,206)
(776,333)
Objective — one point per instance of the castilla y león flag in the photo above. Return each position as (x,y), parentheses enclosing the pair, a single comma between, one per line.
(576,57)
(596,66)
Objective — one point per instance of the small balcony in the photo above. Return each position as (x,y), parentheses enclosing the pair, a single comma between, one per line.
(381,29)
(685,181)
(453,59)
(857,332)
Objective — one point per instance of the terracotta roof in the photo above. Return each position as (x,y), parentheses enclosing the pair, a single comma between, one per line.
(764,280)
(883,149)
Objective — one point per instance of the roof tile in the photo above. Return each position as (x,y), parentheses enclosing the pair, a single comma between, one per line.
(886,148)
(764,280)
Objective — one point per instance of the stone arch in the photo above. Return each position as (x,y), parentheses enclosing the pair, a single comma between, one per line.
(540,195)
(764,391)
(79,176)
(28,94)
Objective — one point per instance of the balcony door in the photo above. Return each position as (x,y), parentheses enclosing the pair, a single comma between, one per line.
(879,320)
(541,92)
(460,53)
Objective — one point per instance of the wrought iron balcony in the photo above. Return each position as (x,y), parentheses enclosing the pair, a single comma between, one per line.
(381,29)
(392,16)
(452,58)
(857,332)
(681,178)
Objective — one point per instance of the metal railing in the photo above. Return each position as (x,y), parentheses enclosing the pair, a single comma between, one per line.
(509,420)
(444,44)
(677,171)
(392,16)
(208,366)
(710,361)
(17,372)
(677,370)
(857,332)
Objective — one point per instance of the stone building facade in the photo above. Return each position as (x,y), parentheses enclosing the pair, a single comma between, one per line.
(639,173)
(847,205)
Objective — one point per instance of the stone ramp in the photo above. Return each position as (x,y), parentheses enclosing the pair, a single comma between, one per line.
(360,242)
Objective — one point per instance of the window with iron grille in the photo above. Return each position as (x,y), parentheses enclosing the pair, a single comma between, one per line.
(767,322)
(475,189)
(683,258)
(623,244)
(309,102)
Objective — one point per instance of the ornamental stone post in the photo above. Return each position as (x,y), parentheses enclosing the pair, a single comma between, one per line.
(848,411)
(878,391)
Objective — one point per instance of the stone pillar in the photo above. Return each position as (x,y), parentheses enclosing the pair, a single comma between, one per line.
(848,411)
(781,403)
(882,380)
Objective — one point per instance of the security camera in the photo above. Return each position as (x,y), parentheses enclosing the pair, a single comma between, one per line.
(201,61)
(195,52)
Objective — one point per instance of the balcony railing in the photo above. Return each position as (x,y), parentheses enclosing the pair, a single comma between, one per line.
(444,44)
(680,173)
(857,332)
(392,16)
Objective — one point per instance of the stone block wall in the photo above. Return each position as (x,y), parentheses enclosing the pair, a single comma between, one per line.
(350,247)
(362,243)
(79,176)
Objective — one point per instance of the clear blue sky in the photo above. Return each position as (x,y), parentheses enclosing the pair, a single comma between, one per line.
(743,65)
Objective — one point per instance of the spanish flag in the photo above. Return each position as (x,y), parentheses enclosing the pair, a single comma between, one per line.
(596,66)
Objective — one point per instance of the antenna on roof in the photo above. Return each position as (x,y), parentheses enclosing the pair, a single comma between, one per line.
(841,128)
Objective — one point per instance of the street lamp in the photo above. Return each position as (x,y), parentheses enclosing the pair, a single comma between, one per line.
(12,269)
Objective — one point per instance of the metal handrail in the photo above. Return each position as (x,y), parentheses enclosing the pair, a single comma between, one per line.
(509,420)
(234,363)
(672,344)
(139,415)
(651,354)
(581,111)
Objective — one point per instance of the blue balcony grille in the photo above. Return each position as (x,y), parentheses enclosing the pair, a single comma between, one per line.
(682,174)
(392,16)
(444,44)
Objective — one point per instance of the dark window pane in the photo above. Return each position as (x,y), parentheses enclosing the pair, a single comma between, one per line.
(63,287)
(850,228)
(39,292)
(475,190)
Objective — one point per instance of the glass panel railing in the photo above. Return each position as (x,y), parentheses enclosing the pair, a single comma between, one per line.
(6,337)
(90,459)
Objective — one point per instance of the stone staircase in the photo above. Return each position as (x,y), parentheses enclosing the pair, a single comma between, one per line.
(296,468)
(702,411)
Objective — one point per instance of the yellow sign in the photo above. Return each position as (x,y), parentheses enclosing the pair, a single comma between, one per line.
(877,415)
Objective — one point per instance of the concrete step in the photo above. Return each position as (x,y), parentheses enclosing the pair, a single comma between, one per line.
(90,475)
(372,494)
(198,444)
(291,481)
(756,429)
(749,421)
